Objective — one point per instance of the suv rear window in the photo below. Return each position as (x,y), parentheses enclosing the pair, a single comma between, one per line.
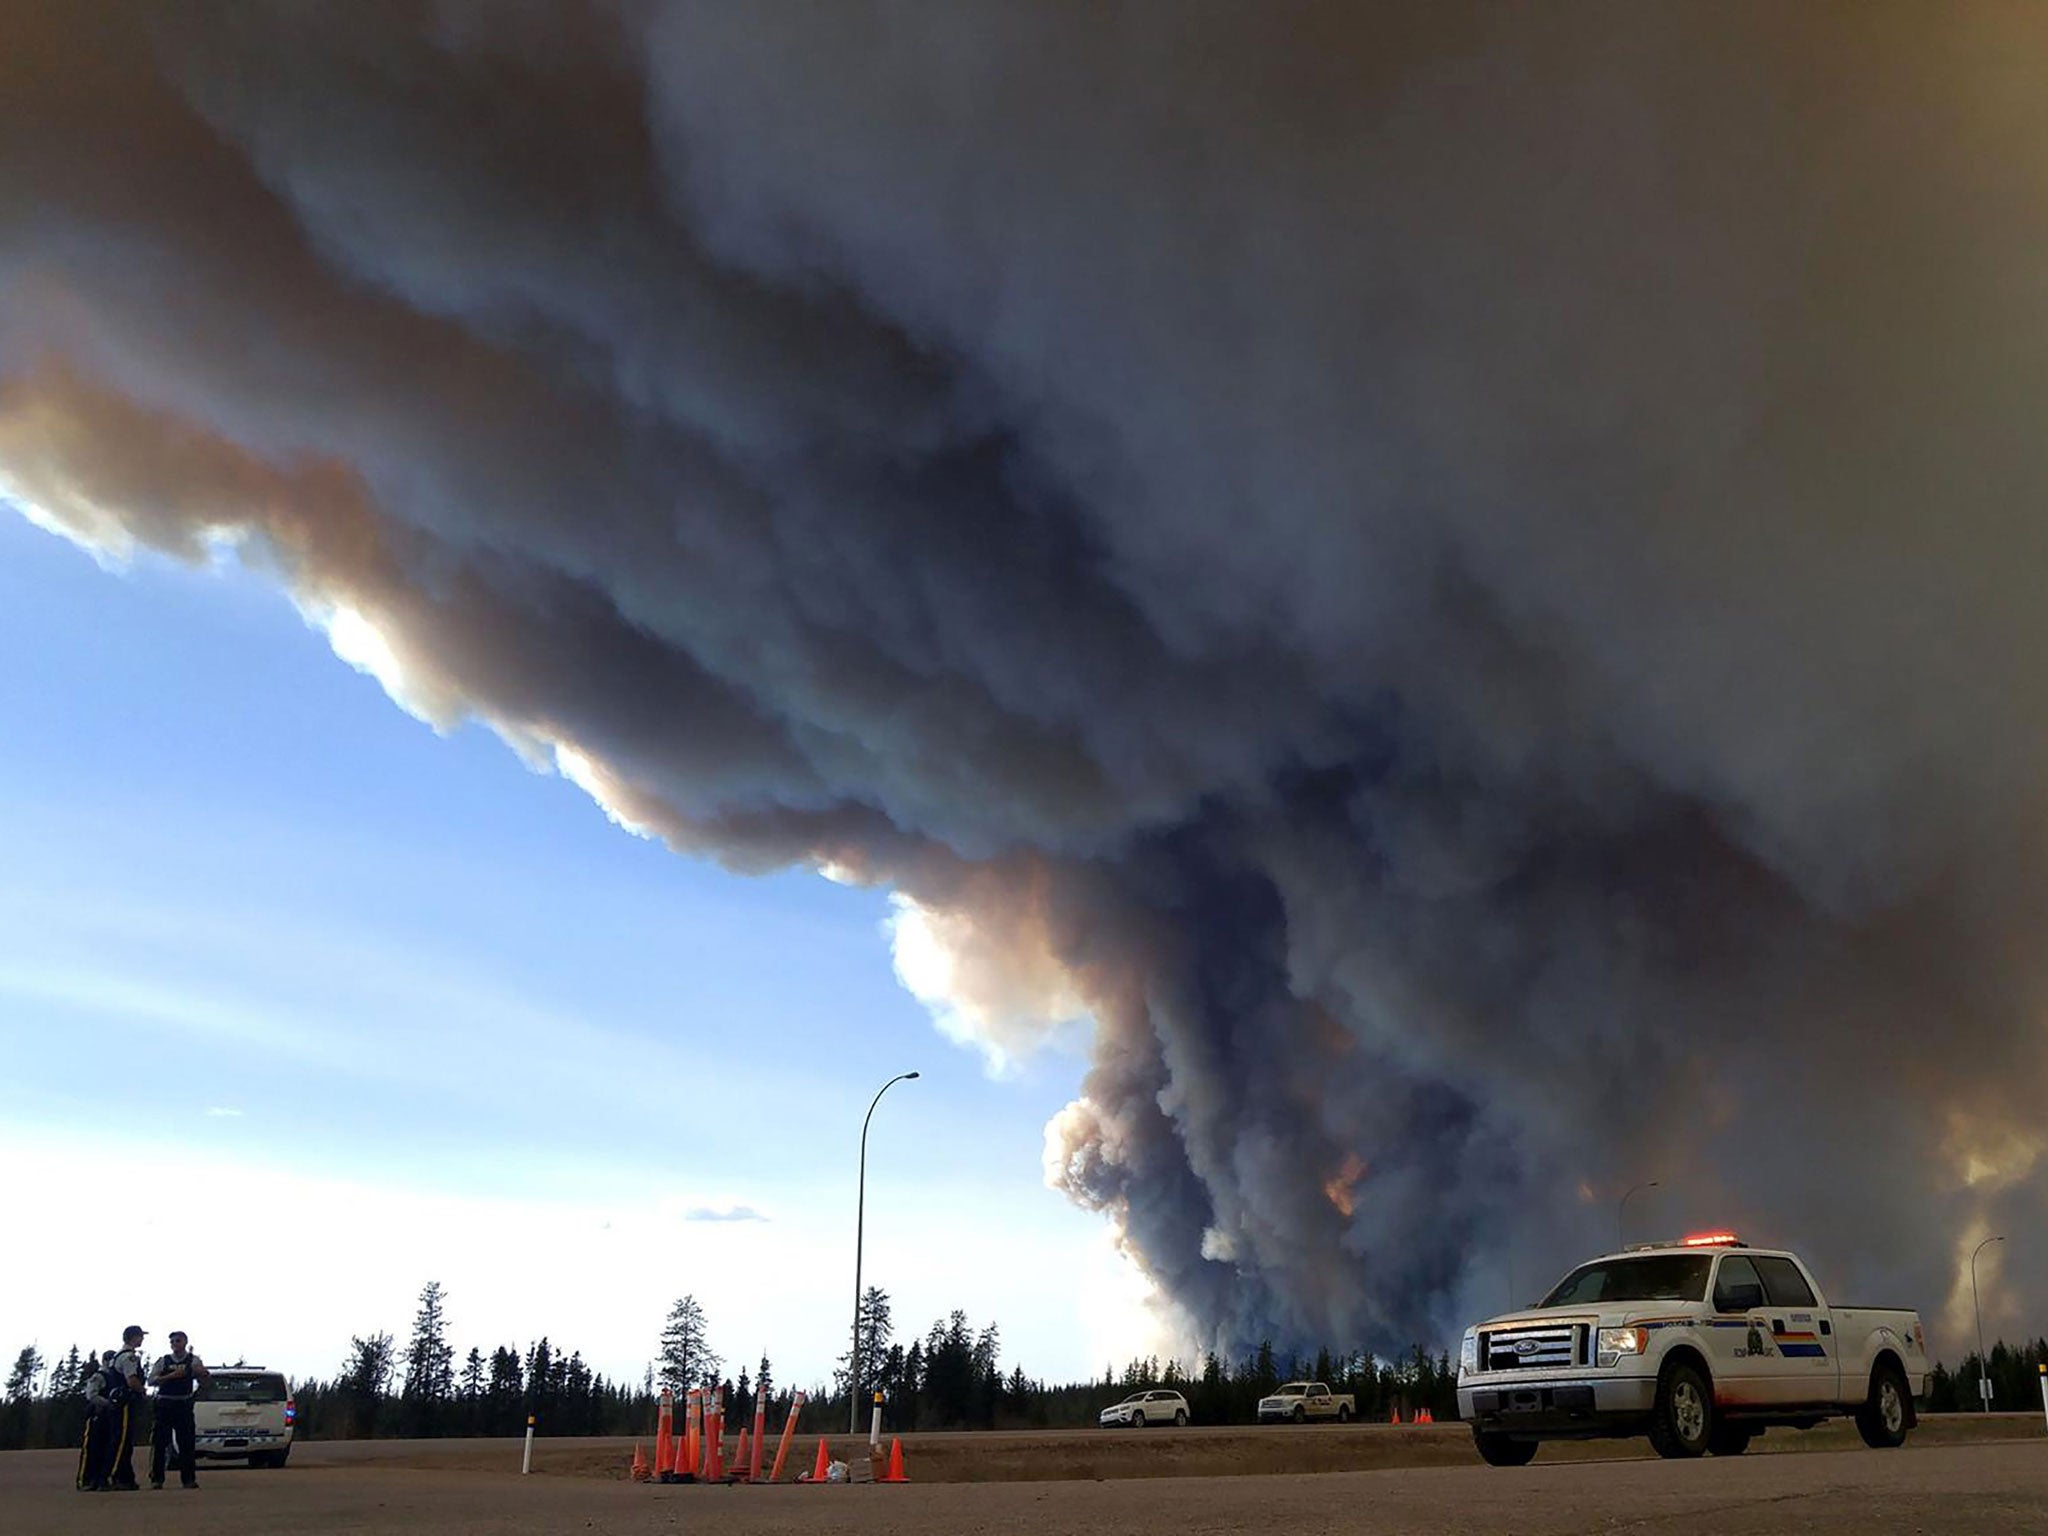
(242,1388)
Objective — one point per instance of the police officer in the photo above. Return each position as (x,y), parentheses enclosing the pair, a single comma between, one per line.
(127,1369)
(99,1387)
(106,1460)
(176,1379)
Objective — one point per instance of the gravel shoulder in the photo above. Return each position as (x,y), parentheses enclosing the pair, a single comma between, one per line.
(1959,1479)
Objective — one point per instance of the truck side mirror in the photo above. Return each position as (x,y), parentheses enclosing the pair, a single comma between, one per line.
(1742,1296)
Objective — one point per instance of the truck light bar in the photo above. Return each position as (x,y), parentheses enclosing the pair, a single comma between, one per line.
(1711,1240)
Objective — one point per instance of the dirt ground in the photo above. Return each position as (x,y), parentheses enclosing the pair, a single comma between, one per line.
(1977,1475)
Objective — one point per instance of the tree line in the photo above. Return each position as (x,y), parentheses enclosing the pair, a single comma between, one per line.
(948,1378)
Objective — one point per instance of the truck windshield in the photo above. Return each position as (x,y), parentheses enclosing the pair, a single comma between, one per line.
(1654,1277)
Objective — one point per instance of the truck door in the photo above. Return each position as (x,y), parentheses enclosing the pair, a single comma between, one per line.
(1738,1336)
(1808,1363)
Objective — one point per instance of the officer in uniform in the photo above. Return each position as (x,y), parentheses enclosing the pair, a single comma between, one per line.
(106,1460)
(176,1379)
(99,1388)
(127,1369)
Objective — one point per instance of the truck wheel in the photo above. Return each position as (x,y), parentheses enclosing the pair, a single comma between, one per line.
(1180,1418)
(1503,1450)
(1730,1439)
(1343,1413)
(1884,1417)
(1301,1415)
(1682,1422)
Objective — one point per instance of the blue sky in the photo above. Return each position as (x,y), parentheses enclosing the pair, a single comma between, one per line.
(283,970)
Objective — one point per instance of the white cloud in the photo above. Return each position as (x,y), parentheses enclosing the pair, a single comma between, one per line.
(723,1213)
(1005,994)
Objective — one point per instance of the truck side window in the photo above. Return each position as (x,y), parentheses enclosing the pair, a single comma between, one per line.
(1783,1283)
(1736,1270)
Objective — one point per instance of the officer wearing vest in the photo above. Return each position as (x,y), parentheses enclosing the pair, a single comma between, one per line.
(98,1387)
(176,1379)
(106,1461)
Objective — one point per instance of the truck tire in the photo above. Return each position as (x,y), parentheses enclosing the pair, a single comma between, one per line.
(1301,1415)
(1887,1413)
(1682,1422)
(1730,1439)
(1498,1450)
(1343,1413)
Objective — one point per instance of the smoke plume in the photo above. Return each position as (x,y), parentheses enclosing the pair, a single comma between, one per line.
(1463,583)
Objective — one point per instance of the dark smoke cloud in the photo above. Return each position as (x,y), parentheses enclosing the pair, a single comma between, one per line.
(1464,581)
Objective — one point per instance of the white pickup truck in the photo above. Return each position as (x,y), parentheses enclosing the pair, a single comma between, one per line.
(1700,1344)
(1299,1401)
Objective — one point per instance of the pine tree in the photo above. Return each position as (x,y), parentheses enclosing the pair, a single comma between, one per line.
(686,1358)
(503,1392)
(359,1390)
(876,1330)
(429,1358)
(27,1373)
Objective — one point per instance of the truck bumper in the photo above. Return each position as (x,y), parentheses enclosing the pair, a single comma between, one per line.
(1574,1405)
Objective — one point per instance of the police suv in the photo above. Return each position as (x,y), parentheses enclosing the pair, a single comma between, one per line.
(244,1413)
(1700,1344)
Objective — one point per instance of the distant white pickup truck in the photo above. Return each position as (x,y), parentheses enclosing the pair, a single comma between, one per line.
(1700,1344)
(1299,1401)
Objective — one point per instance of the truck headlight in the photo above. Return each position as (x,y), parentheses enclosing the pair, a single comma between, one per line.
(1616,1342)
(1468,1353)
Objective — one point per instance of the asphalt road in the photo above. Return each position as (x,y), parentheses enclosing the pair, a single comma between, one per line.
(1986,1489)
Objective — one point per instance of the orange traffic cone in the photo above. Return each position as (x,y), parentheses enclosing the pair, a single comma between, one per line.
(1397,1415)
(823,1464)
(640,1473)
(896,1473)
(744,1459)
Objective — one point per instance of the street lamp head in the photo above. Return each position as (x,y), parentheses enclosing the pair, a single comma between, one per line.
(908,1075)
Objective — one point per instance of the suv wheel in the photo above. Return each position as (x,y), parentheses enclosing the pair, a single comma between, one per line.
(1180,1418)
(1300,1415)
(1138,1419)
(1885,1417)
(1503,1450)
(1682,1423)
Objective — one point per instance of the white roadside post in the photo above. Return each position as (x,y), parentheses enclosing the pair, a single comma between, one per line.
(875,1428)
(2044,1392)
(526,1460)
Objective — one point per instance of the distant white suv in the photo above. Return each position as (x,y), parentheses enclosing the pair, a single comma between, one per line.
(244,1413)
(1142,1408)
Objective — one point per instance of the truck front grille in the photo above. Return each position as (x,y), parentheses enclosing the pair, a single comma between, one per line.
(1556,1346)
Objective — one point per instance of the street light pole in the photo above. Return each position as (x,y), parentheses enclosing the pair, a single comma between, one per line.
(1983,1363)
(1620,1232)
(860,1211)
